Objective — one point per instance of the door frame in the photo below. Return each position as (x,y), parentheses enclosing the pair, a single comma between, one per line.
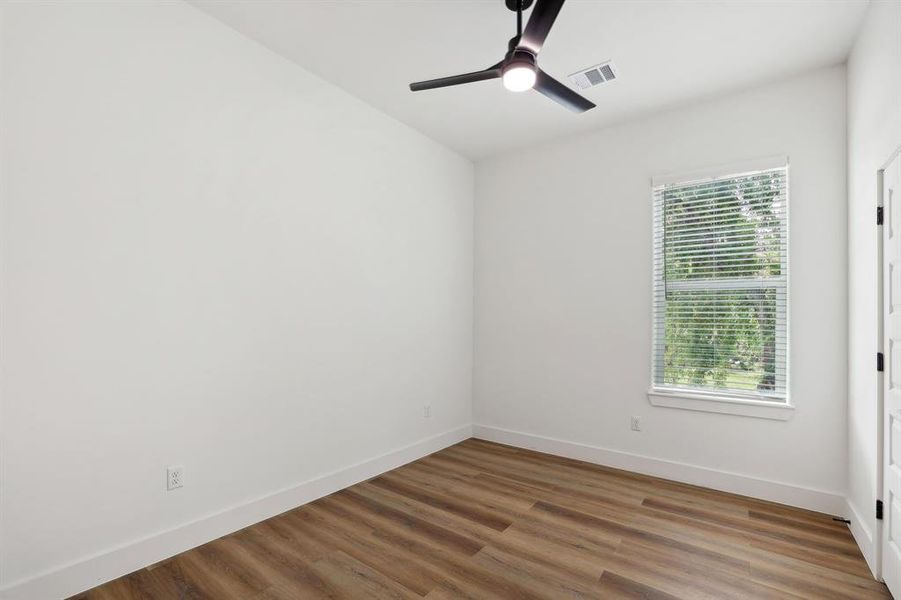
(880,381)
(878,531)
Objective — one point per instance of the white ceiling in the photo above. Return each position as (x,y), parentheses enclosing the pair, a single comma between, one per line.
(667,52)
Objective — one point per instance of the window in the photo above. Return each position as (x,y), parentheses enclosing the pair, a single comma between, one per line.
(721,289)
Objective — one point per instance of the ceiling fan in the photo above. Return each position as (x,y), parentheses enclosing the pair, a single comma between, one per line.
(519,69)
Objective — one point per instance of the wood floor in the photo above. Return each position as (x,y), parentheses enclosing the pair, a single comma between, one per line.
(481,520)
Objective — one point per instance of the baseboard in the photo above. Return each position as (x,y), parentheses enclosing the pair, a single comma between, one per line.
(92,571)
(864,537)
(783,493)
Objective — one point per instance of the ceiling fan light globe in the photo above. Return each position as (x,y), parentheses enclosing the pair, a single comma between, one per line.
(519,77)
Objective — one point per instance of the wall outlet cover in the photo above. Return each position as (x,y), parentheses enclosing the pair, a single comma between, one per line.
(175,477)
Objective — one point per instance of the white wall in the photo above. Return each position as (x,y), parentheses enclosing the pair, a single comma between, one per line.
(563,294)
(874,133)
(209,258)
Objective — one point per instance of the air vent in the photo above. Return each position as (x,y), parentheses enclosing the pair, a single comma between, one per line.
(593,76)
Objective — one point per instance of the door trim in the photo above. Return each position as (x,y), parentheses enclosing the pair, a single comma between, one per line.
(876,566)
(878,531)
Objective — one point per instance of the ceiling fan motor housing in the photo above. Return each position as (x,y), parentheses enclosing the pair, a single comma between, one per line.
(520,58)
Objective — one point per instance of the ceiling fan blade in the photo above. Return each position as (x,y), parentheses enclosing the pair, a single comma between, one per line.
(489,73)
(561,94)
(543,15)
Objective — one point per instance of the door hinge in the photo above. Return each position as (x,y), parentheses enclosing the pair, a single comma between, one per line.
(880,362)
(879,509)
(879,215)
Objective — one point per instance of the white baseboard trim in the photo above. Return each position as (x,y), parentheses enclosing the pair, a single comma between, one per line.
(91,571)
(819,500)
(864,537)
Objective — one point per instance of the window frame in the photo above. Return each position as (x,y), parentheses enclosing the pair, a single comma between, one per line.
(712,400)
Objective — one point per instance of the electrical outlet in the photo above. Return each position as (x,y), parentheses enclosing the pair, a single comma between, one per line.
(636,423)
(175,477)
(427,411)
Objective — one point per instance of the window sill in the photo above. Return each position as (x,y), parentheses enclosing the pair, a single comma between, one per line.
(761,409)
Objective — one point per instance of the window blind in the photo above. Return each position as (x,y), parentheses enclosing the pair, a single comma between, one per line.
(721,285)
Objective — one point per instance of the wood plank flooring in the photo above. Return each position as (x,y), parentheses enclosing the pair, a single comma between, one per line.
(481,520)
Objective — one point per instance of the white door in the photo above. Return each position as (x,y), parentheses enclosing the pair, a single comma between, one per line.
(891,277)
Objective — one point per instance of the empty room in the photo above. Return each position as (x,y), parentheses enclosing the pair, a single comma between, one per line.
(477,299)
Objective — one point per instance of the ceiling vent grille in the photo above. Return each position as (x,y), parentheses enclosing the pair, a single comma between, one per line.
(595,75)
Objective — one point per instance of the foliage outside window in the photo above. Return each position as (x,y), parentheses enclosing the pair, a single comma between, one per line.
(720,285)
